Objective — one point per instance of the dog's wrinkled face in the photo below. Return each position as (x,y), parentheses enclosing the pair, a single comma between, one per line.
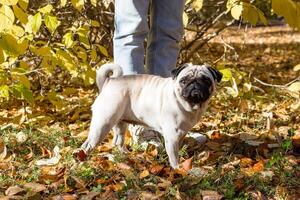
(196,83)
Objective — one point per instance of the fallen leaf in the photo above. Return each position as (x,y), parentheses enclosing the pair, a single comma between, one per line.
(13,190)
(210,195)
(259,166)
(144,174)
(246,162)
(239,184)
(51,161)
(35,187)
(65,197)
(213,145)
(156,169)
(80,155)
(187,164)
(123,166)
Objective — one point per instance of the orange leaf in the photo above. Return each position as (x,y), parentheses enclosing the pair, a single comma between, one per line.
(215,135)
(258,167)
(187,164)
(156,169)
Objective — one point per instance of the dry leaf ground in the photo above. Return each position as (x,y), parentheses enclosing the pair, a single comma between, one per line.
(253,151)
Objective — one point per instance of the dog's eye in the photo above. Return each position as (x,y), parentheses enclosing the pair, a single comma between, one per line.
(183,82)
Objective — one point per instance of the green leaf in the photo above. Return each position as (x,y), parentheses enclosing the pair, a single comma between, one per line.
(78,4)
(4,91)
(7,17)
(23,92)
(51,22)
(46,9)
(36,22)
(236,11)
(20,14)
(294,87)
(8,2)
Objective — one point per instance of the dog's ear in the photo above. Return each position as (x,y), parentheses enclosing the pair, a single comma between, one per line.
(177,70)
(215,73)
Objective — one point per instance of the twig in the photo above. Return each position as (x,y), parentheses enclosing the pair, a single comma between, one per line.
(277,86)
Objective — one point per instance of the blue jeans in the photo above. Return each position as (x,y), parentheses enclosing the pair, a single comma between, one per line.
(163,36)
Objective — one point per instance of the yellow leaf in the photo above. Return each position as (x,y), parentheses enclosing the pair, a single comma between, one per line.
(231,3)
(7,17)
(144,174)
(8,2)
(185,19)
(250,14)
(4,91)
(89,77)
(67,61)
(236,11)
(227,75)
(68,40)
(16,31)
(51,22)
(36,22)
(22,79)
(63,3)
(103,50)
(46,9)
(93,55)
(83,36)
(23,4)
(297,68)
(11,46)
(78,4)
(2,59)
(20,14)
(294,87)
(197,5)
(94,2)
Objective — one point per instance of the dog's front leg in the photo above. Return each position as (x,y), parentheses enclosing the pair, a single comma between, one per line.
(172,139)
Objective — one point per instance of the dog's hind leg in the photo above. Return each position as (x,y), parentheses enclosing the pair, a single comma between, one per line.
(119,136)
(103,119)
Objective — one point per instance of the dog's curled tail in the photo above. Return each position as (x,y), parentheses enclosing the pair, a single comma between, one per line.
(109,70)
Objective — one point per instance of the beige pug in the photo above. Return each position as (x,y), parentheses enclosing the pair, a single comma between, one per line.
(171,106)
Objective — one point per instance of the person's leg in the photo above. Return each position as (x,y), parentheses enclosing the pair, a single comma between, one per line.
(166,30)
(131,28)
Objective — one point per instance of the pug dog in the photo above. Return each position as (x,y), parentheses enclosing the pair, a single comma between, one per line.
(170,106)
